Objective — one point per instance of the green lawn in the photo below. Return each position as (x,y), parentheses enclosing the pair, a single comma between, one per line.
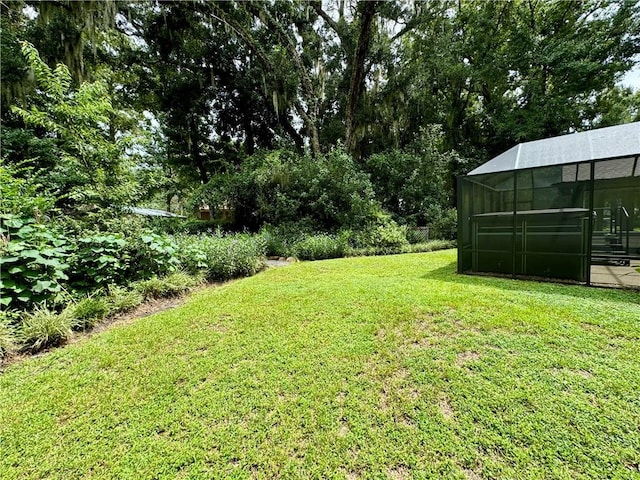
(376,367)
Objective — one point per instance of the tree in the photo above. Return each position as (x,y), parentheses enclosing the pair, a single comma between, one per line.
(93,169)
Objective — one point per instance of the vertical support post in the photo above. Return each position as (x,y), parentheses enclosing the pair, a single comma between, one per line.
(590,227)
(460,232)
(513,233)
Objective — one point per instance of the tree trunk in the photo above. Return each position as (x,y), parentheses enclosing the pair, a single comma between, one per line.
(295,136)
(357,74)
(195,150)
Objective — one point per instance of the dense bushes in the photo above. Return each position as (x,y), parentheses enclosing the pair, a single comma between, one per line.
(33,262)
(99,260)
(222,257)
(54,283)
(319,247)
(414,184)
(59,275)
(281,187)
(170,286)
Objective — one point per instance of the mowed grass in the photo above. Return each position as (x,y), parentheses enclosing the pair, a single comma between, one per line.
(376,367)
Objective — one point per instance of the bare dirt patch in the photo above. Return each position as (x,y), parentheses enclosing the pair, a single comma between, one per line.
(466,357)
(343,430)
(445,408)
(583,373)
(471,475)
(141,311)
(398,473)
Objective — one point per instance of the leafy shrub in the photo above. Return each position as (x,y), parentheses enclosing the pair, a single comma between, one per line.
(44,328)
(153,254)
(431,246)
(100,259)
(122,300)
(278,240)
(445,225)
(170,286)
(222,258)
(318,247)
(20,195)
(7,336)
(33,262)
(195,227)
(92,169)
(327,193)
(87,312)
(410,182)
(384,237)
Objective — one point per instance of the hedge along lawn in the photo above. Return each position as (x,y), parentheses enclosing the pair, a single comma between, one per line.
(373,367)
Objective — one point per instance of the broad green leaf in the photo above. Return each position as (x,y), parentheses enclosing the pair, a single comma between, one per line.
(41,285)
(26,230)
(4,260)
(14,223)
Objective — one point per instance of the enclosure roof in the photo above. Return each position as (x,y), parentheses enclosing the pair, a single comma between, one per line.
(602,143)
(152,212)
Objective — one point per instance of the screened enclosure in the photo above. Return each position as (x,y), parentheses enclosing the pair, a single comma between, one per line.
(566,208)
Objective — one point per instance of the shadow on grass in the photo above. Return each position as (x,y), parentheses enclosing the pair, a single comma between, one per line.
(449,274)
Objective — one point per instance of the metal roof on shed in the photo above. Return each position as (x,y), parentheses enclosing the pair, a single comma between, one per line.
(601,143)
(152,212)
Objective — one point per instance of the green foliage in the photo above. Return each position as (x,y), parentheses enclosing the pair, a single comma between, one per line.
(222,257)
(413,183)
(172,285)
(33,262)
(276,241)
(431,246)
(153,254)
(384,236)
(445,225)
(92,169)
(112,258)
(122,300)
(20,195)
(319,247)
(87,312)
(7,336)
(281,187)
(43,328)
(99,260)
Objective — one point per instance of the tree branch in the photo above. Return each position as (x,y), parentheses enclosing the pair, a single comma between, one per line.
(317,6)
